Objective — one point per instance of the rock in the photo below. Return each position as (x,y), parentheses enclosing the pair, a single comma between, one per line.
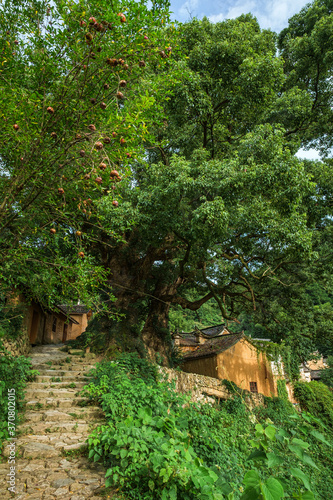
(75,487)
(90,355)
(60,492)
(36,450)
(60,483)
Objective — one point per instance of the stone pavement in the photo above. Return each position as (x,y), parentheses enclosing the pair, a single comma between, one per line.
(55,429)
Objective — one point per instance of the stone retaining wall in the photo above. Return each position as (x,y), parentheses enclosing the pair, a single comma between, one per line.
(19,346)
(203,388)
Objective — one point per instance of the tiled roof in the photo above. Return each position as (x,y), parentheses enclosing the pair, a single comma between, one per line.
(187,342)
(212,331)
(214,346)
(78,309)
(62,310)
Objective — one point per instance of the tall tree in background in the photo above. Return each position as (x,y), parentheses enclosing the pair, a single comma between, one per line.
(221,205)
(72,116)
(212,199)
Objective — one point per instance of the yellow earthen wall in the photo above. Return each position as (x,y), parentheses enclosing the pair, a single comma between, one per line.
(82,319)
(239,364)
(204,366)
(242,365)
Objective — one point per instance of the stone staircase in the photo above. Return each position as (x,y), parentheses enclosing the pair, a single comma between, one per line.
(57,424)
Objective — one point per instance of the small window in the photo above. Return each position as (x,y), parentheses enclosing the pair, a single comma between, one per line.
(54,326)
(253,387)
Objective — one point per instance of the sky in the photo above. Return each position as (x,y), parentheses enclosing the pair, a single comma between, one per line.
(271,14)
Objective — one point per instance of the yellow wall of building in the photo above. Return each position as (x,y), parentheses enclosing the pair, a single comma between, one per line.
(240,364)
(82,319)
(243,364)
(203,366)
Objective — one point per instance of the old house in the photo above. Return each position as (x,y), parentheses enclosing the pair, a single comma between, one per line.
(189,341)
(236,358)
(81,314)
(311,370)
(46,326)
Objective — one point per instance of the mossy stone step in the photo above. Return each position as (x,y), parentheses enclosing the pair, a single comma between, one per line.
(88,413)
(52,402)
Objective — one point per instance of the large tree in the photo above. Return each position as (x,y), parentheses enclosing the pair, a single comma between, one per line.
(217,202)
(72,115)
(222,205)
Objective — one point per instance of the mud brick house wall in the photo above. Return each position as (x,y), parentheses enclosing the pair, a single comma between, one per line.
(81,314)
(46,326)
(233,357)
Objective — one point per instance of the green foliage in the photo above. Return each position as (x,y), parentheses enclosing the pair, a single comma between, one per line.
(14,374)
(156,444)
(326,375)
(11,318)
(316,398)
(59,76)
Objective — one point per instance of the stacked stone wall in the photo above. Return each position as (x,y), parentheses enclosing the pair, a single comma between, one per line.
(19,346)
(202,388)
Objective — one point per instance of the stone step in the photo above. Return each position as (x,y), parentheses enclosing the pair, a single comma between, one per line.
(63,378)
(77,427)
(63,373)
(57,385)
(51,393)
(88,413)
(53,402)
(65,367)
(36,446)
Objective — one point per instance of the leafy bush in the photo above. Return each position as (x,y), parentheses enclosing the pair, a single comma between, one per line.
(14,374)
(276,409)
(326,375)
(157,445)
(11,318)
(316,398)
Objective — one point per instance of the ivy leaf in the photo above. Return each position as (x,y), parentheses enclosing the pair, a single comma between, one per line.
(308,460)
(272,489)
(274,460)
(270,432)
(301,443)
(297,450)
(251,478)
(257,455)
(294,471)
(260,430)
(250,494)
(320,437)
(308,495)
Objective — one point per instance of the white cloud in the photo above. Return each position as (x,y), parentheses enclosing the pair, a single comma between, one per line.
(188,9)
(310,154)
(273,14)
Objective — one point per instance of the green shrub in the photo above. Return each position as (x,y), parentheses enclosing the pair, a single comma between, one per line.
(316,398)
(276,409)
(14,374)
(157,445)
(326,375)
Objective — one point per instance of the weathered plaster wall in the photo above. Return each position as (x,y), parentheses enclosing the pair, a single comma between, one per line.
(203,387)
(243,364)
(82,319)
(240,364)
(203,366)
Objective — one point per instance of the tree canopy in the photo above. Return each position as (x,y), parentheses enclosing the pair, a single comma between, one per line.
(147,165)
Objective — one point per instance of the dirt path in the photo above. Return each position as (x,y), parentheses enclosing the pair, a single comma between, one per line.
(53,433)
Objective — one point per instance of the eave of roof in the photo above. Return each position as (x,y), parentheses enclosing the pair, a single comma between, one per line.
(214,346)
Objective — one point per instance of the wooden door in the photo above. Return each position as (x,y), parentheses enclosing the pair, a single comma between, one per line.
(34,327)
(64,335)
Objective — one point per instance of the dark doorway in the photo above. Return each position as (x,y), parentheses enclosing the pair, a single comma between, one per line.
(64,335)
(34,327)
